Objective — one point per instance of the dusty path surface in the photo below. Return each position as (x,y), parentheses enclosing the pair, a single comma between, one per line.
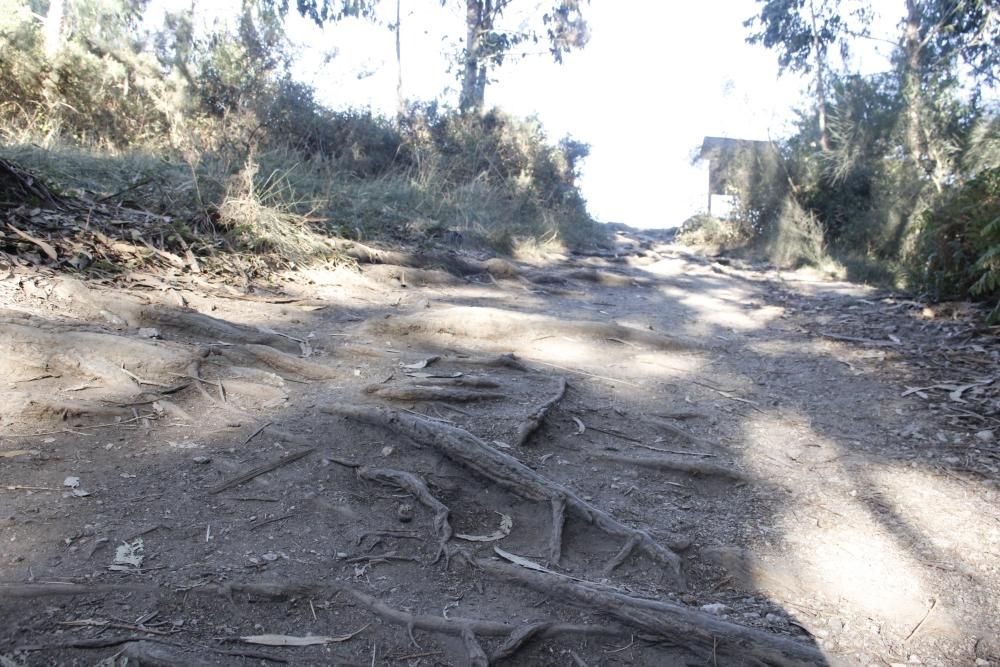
(638,457)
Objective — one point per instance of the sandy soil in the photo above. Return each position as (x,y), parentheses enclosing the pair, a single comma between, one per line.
(799,471)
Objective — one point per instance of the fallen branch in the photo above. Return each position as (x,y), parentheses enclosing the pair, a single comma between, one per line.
(855,339)
(663,463)
(683,414)
(259,470)
(107,642)
(425,393)
(46,247)
(535,419)
(468,450)
(681,433)
(698,631)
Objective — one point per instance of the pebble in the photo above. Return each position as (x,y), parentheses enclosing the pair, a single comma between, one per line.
(201,459)
(985,436)
(405,513)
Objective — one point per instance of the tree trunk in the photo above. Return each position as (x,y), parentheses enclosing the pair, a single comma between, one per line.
(470,99)
(400,102)
(479,18)
(912,94)
(819,52)
(52,29)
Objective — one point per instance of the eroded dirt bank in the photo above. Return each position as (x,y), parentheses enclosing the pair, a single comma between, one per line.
(634,458)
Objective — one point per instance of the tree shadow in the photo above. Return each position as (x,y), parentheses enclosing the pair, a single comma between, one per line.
(761,386)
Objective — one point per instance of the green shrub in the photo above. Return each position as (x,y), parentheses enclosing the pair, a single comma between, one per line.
(707,230)
(962,238)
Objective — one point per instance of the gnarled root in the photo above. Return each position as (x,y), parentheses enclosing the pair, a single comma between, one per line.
(410,482)
(696,468)
(693,629)
(536,418)
(466,449)
(431,393)
(280,361)
(517,636)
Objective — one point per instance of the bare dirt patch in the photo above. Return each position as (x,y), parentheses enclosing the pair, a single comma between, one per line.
(648,459)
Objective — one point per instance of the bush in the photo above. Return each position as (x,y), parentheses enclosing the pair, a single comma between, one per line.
(962,241)
(212,106)
(707,230)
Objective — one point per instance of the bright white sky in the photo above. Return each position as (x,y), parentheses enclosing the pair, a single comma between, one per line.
(655,79)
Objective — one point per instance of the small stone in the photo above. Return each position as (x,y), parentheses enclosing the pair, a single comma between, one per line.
(270,556)
(149,332)
(201,459)
(985,436)
(774,619)
(405,513)
(715,608)
(982,662)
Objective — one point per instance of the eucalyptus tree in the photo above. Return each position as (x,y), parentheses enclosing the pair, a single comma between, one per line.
(559,25)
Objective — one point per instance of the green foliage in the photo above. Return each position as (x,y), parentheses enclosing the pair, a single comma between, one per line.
(797,28)
(214,132)
(708,231)
(899,179)
(99,86)
(962,236)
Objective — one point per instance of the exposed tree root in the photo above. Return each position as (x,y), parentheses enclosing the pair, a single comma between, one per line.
(410,482)
(477,656)
(535,419)
(664,463)
(495,324)
(681,433)
(500,361)
(28,350)
(466,381)
(431,393)
(152,654)
(698,631)
(368,255)
(517,636)
(37,406)
(126,310)
(607,278)
(409,277)
(468,450)
(280,361)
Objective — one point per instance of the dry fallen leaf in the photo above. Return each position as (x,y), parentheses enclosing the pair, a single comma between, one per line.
(291,640)
(18,452)
(423,363)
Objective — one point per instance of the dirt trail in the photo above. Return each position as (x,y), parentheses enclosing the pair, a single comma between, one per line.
(638,457)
